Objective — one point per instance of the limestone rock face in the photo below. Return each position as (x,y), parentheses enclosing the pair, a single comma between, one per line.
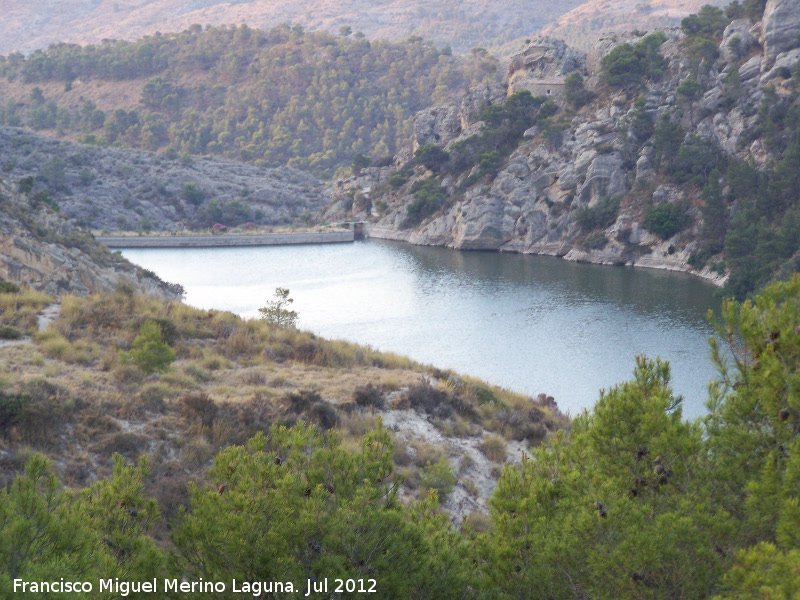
(120,189)
(537,200)
(750,69)
(477,98)
(604,177)
(436,125)
(541,67)
(40,248)
(785,61)
(780,27)
(738,29)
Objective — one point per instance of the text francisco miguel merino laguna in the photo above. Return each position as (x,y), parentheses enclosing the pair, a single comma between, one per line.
(255,588)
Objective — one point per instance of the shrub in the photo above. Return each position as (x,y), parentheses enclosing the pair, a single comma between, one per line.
(628,65)
(431,156)
(494,447)
(192,194)
(7,332)
(665,220)
(368,396)
(201,406)
(575,93)
(438,476)
(424,397)
(600,216)
(397,180)
(6,287)
(323,414)
(148,351)
(428,198)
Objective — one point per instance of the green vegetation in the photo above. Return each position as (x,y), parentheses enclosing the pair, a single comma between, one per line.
(630,501)
(276,312)
(628,66)
(575,92)
(759,239)
(703,32)
(431,157)
(665,220)
(600,216)
(429,197)
(149,351)
(307,99)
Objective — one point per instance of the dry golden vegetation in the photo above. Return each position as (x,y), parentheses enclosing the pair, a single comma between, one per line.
(75,394)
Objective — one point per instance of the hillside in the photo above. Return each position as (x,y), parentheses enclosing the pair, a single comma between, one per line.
(582,25)
(122,189)
(676,150)
(266,455)
(270,97)
(36,24)
(44,250)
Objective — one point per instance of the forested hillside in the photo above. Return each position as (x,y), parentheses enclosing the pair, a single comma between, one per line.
(277,97)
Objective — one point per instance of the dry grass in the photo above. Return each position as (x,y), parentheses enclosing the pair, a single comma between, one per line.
(20,310)
(494,447)
(232,378)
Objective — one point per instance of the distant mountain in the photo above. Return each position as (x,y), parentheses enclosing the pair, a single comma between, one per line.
(581,26)
(34,24)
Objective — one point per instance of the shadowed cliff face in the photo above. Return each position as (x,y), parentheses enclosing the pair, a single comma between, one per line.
(40,248)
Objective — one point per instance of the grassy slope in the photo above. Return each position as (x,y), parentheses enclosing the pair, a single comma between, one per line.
(82,401)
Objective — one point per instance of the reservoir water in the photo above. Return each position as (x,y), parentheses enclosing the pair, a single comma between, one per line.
(529,323)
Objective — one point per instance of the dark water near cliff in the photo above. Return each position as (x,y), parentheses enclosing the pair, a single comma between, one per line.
(532,324)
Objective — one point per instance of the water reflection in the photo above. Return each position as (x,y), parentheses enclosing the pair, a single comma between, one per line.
(534,324)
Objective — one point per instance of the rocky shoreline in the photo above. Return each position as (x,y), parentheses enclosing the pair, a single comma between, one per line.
(595,257)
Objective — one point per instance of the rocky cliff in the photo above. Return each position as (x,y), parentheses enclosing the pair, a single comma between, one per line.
(122,189)
(550,194)
(41,248)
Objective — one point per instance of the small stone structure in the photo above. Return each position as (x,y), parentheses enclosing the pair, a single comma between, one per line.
(541,67)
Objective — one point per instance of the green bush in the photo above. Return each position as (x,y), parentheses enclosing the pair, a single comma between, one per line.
(431,156)
(6,287)
(438,476)
(665,220)
(575,93)
(600,216)
(628,65)
(7,332)
(148,351)
(396,180)
(428,198)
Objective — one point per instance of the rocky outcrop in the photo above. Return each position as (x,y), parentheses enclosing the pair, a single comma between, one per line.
(478,98)
(737,41)
(436,125)
(780,27)
(541,67)
(120,189)
(41,248)
(538,201)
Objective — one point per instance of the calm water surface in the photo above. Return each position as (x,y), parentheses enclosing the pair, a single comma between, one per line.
(532,324)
